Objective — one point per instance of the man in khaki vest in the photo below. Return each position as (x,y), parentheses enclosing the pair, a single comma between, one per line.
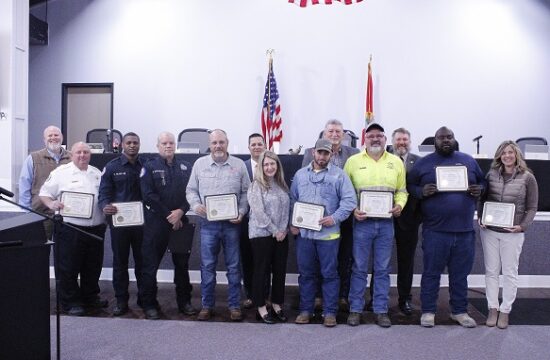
(37,168)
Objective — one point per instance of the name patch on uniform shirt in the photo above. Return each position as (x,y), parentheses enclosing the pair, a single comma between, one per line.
(120,173)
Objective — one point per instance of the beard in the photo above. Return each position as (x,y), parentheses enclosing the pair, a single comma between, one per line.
(401,150)
(53,147)
(375,150)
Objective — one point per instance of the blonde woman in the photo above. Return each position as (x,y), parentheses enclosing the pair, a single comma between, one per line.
(268,196)
(509,181)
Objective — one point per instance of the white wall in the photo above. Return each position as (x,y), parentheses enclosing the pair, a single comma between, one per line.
(478,66)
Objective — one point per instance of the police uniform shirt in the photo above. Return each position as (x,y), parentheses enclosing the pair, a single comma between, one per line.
(120,181)
(70,178)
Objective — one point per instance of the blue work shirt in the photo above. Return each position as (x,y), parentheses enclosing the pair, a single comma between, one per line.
(330,187)
(120,181)
(163,185)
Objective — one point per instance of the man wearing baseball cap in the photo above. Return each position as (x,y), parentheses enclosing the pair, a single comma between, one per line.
(374,170)
(327,186)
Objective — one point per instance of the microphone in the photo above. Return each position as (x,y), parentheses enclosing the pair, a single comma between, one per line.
(5,192)
(477,138)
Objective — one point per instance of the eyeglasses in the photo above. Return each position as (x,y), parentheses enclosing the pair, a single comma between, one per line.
(377,136)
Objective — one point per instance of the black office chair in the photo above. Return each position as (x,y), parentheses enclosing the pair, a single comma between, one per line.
(430,140)
(198,136)
(110,138)
(350,139)
(533,140)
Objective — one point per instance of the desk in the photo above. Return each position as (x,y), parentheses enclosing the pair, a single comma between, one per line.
(291,164)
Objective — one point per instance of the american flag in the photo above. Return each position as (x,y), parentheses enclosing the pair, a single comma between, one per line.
(304,3)
(271,112)
(369,113)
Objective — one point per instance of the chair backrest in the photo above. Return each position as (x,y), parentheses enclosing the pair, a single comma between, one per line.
(532,140)
(350,139)
(198,136)
(430,140)
(102,136)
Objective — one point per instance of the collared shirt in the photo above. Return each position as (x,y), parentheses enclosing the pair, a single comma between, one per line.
(253,165)
(120,181)
(211,178)
(162,185)
(329,187)
(386,174)
(338,158)
(27,175)
(70,178)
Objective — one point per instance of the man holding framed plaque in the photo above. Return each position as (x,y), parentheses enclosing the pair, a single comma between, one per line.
(163,179)
(448,200)
(217,194)
(379,179)
(120,201)
(72,190)
(322,196)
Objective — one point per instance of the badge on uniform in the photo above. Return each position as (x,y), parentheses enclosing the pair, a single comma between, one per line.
(183,167)
(142,172)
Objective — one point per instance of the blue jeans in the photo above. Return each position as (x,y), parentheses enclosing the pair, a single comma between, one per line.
(375,234)
(455,250)
(216,234)
(314,256)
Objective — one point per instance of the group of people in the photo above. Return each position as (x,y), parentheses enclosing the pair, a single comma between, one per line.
(332,256)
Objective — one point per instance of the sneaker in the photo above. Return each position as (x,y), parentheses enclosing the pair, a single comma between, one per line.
(330,321)
(76,310)
(502,322)
(464,320)
(354,319)
(427,320)
(383,320)
(204,314)
(235,315)
(492,318)
(303,318)
(343,305)
(187,309)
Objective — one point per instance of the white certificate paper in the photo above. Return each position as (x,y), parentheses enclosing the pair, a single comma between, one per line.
(307,215)
(77,204)
(451,178)
(376,203)
(221,207)
(128,214)
(498,214)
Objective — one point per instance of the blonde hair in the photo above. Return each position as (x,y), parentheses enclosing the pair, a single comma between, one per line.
(279,177)
(497,164)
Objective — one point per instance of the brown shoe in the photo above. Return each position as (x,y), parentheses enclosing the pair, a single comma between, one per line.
(330,321)
(235,315)
(502,322)
(204,314)
(303,318)
(492,318)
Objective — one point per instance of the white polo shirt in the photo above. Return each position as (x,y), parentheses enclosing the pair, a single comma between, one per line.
(70,178)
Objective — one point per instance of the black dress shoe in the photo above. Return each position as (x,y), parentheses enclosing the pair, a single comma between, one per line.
(267,319)
(406,307)
(120,308)
(152,314)
(97,304)
(280,315)
(187,309)
(76,310)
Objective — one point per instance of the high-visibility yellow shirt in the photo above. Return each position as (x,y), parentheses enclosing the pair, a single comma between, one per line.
(386,174)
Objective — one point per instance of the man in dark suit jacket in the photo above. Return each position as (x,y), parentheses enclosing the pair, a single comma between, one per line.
(256,146)
(406,226)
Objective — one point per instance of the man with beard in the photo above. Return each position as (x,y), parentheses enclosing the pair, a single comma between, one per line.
(120,183)
(405,226)
(217,174)
(374,170)
(36,169)
(447,227)
(324,184)
(334,132)
(77,253)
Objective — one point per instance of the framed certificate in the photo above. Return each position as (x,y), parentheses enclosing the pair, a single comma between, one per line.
(221,207)
(128,214)
(77,204)
(376,203)
(498,214)
(451,178)
(307,215)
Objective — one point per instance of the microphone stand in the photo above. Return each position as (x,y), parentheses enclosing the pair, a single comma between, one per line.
(476,140)
(57,222)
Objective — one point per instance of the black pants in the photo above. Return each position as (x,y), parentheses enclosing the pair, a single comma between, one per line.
(247,258)
(122,240)
(156,234)
(78,254)
(270,257)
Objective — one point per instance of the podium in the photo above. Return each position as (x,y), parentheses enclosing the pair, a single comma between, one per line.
(24,289)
